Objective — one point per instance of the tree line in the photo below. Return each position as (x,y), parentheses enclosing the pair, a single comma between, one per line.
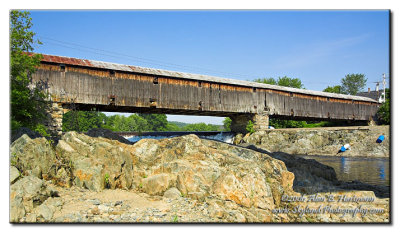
(82,121)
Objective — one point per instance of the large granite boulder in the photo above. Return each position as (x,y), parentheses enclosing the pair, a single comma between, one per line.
(25,195)
(14,174)
(96,163)
(33,157)
(199,168)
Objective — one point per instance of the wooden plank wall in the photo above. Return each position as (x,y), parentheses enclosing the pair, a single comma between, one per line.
(98,87)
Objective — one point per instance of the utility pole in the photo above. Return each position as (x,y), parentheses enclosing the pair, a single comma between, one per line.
(384,87)
(377,86)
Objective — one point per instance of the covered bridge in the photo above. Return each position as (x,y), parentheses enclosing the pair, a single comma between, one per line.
(86,84)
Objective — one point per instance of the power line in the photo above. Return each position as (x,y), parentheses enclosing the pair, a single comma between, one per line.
(103,52)
(142,60)
(85,50)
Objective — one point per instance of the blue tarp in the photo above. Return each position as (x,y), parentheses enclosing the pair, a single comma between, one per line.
(380,139)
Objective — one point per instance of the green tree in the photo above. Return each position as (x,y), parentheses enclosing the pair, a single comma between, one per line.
(173,127)
(156,122)
(250,127)
(109,122)
(353,83)
(286,82)
(384,110)
(282,81)
(178,123)
(271,81)
(118,123)
(138,124)
(227,124)
(279,123)
(290,82)
(200,127)
(82,121)
(28,105)
(333,89)
(133,123)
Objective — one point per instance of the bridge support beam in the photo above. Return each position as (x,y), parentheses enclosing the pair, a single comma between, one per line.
(54,119)
(239,122)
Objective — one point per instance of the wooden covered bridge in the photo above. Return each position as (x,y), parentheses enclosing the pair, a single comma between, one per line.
(85,85)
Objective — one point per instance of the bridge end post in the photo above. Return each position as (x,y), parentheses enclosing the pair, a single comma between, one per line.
(239,122)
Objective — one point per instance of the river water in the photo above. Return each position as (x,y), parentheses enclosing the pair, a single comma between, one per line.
(373,171)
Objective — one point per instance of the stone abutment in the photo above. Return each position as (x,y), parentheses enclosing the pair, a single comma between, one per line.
(240,122)
(55,118)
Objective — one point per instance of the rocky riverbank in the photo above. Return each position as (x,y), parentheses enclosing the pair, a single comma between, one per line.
(182,179)
(322,141)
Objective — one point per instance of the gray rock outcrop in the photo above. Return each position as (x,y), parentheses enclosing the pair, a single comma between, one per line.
(25,195)
(95,163)
(322,141)
(33,156)
(14,174)
(106,133)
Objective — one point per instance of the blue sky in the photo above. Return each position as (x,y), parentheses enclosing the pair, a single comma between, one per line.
(318,47)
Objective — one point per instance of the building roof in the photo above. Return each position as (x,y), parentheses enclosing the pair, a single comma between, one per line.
(372,94)
(182,75)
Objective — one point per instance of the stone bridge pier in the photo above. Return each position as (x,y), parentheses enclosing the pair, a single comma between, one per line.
(54,118)
(239,122)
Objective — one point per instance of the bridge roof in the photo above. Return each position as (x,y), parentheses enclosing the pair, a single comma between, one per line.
(182,75)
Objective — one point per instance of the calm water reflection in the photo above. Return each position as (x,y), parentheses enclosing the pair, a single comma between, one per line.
(373,171)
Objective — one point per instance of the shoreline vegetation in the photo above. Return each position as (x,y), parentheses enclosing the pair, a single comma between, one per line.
(82,121)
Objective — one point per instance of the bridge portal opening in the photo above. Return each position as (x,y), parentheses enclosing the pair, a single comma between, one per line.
(154,124)
(138,123)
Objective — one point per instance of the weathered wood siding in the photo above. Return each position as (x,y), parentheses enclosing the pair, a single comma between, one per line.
(103,88)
